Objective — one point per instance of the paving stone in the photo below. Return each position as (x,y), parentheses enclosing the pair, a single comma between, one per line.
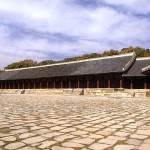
(33,140)
(123,147)
(83,140)
(104,133)
(61,148)
(46,144)
(144,132)
(73,145)
(9,138)
(68,130)
(41,131)
(79,132)
(118,138)
(61,138)
(14,145)
(2,143)
(52,134)
(138,136)
(98,146)
(26,135)
(108,141)
(19,131)
(95,136)
(28,148)
(133,142)
(145,147)
(123,134)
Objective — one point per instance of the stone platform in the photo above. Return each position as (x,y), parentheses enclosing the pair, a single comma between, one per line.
(103,92)
(57,122)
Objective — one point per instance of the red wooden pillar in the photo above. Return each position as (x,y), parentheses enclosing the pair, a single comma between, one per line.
(131,84)
(13,85)
(87,83)
(9,85)
(1,85)
(34,84)
(23,85)
(40,85)
(121,83)
(69,84)
(108,83)
(61,84)
(18,86)
(145,84)
(54,84)
(97,83)
(5,85)
(29,85)
(47,84)
(78,83)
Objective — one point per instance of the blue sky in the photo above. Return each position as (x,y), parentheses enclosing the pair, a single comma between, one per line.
(56,29)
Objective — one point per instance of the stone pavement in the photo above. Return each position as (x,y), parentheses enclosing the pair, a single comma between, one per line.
(34,122)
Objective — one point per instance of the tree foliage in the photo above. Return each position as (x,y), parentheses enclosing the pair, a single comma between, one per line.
(22,64)
(141,52)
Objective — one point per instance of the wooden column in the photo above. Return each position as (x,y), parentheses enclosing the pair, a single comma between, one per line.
(108,83)
(28,85)
(34,84)
(97,83)
(18,86)
(47,84)
(145,84)
(61,84)
(13,85)
(9,85)
(23,85)
(131,84)
(54,84)
(5,85)
(40,85)
(120,83)
(87,83)
(78,83)
(69,84)
(1,85)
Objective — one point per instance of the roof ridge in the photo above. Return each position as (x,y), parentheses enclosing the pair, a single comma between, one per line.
(143,58)
(71,62)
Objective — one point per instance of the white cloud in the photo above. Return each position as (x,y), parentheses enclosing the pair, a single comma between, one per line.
(61,28)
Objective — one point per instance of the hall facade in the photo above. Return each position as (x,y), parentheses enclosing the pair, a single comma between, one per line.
(118,71)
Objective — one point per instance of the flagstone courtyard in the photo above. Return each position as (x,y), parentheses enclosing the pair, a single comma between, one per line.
(34,122)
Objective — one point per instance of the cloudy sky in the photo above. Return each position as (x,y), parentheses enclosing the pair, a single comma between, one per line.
(56,29)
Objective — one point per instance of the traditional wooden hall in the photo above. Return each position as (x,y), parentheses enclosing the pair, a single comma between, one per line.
(118,71)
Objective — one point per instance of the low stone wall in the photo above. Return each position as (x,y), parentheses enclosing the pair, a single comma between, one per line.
(105,92)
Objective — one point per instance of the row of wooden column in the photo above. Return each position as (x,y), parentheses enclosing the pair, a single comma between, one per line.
(69,84)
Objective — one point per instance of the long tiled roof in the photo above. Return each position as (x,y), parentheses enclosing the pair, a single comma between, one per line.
(111,64)
(136,69)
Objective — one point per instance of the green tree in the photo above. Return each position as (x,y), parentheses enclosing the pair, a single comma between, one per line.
(46,62)
(22,64)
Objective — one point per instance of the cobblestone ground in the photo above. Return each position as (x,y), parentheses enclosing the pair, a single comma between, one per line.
(32,122)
